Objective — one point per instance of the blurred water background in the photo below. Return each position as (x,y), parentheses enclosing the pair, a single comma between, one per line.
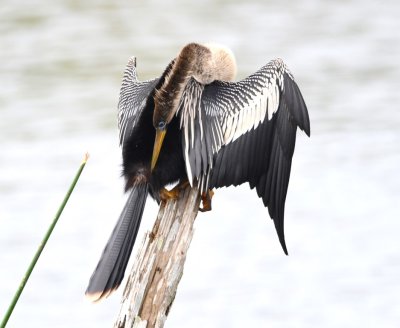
(61,64)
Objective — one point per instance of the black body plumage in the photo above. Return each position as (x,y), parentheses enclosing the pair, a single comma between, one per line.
(220,134)
(137,145)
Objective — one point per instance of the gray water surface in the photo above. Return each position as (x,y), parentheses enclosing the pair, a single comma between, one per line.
(60,70)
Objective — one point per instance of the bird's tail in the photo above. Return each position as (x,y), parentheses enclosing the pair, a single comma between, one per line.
(112,264)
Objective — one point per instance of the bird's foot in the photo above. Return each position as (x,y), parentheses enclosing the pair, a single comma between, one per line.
(166,195)
(206,201)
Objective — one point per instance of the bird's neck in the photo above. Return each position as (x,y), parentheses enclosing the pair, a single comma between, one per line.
(205,63)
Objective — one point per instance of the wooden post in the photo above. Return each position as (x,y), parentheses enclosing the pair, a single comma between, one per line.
(158,268)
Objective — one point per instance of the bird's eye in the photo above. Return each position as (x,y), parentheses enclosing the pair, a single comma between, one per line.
(161,125)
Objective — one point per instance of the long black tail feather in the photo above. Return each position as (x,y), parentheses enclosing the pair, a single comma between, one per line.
(112,264)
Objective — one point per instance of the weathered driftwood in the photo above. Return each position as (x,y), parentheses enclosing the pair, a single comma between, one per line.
(158,268)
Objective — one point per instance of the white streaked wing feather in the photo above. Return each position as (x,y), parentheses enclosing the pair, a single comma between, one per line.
(229,109)
(264,101)
(132,99)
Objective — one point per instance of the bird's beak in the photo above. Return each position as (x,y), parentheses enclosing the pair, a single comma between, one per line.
(160,134)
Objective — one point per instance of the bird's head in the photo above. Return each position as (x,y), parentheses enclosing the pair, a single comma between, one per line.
(168,96)
(163,114)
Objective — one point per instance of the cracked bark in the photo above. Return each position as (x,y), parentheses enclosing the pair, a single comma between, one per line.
(158,268)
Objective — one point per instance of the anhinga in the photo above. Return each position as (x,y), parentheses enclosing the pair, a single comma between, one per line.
(191,125)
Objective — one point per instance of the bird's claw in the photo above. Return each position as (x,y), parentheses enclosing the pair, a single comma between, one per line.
(166,195)
(206,201)
(173,194)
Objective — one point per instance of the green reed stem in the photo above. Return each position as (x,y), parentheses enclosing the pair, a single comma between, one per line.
(42,245)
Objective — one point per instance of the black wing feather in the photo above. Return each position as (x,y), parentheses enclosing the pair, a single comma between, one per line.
(295,104)
(260,154)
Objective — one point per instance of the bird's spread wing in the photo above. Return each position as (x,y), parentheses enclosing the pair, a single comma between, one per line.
(132,99)
(245,132)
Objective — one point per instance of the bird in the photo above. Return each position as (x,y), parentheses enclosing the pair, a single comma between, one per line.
(195,125)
